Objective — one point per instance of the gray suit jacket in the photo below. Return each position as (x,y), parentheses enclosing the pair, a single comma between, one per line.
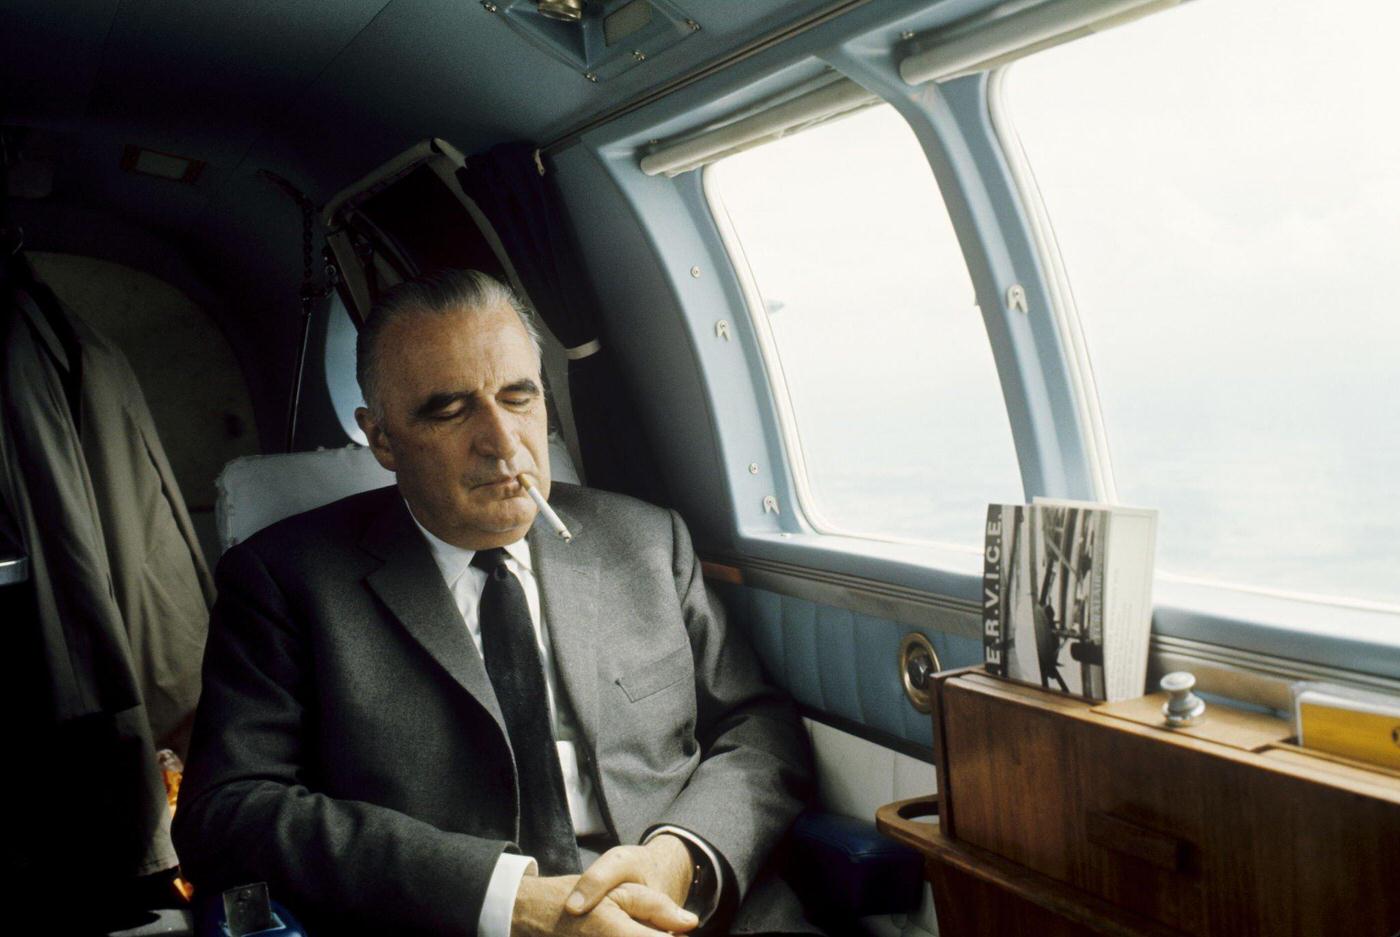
(349,750)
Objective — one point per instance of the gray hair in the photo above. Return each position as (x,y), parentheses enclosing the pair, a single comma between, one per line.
(437,293)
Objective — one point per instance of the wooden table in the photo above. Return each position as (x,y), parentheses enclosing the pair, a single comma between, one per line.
(1060,816)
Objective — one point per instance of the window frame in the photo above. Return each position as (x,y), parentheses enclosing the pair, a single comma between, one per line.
(769,357)
(1235,631)
(716,413)
(995,242)
(775,376)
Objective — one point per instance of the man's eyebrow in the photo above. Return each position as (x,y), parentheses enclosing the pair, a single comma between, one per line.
(522,386)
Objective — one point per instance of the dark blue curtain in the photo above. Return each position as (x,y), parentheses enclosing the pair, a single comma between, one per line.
(527,212)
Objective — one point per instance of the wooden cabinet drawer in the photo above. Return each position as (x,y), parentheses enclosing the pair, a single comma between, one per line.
(1201,837)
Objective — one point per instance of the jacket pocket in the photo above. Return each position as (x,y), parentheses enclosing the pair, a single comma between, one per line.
(652,678)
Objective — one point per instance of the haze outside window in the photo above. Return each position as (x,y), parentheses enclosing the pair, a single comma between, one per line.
(1224,184)
(869,312)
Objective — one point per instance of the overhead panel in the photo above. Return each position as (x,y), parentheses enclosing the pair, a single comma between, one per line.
(832,97)
(985,42)
(609,37)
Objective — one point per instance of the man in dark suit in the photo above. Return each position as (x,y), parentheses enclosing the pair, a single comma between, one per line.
(361,743)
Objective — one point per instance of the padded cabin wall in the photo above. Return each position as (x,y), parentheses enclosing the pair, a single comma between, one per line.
(840,664)
(253,239)
(243,273)
(249,303)
(643,325)
(187,371)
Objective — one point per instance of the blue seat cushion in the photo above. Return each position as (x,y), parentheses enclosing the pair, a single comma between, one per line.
(844,867)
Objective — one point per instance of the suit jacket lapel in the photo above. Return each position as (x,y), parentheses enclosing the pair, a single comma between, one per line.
(410,584)
(567,574)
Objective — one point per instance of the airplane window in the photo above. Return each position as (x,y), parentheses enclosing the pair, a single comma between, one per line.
(1225,192)
(873,341)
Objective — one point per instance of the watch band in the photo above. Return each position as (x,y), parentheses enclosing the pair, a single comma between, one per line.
(706,873)
(700,900)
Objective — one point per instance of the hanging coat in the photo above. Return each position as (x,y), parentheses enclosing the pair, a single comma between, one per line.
(120,588)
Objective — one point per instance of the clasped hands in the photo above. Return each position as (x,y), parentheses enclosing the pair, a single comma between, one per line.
(630,891)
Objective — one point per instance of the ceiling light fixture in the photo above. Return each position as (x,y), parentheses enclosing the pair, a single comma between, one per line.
(161,165)
(570,11)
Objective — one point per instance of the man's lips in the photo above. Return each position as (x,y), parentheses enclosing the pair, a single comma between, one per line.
(502,482)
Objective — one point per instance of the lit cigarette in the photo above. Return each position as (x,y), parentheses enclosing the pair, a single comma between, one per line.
(546,511)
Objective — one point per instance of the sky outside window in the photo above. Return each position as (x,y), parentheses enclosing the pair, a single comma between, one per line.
(1223,180)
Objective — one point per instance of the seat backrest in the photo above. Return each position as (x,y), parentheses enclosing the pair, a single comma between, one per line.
(255,491)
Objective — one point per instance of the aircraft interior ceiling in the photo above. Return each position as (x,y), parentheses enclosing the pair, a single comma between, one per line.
(319,93)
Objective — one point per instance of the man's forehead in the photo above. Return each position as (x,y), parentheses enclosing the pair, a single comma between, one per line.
(458,331)
(468,345)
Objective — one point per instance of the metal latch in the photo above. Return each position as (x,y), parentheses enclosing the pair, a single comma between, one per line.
(1016,299)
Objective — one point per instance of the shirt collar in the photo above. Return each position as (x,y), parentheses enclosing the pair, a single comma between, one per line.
(453,560)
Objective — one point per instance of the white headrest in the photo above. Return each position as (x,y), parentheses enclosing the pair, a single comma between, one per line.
(258,490)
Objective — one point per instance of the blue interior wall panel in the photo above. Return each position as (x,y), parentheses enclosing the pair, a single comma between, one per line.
(838,662)
(837,639)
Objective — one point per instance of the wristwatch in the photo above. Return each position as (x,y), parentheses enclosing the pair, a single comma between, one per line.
(700,900)
(707,873)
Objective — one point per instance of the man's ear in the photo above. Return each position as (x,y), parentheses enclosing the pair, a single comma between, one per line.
(376,436)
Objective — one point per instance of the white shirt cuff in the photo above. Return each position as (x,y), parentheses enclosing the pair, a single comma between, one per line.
(498,907)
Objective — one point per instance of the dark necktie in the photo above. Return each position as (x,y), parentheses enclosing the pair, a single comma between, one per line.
(513,664)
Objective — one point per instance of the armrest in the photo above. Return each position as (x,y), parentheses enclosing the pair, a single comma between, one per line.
(844,867)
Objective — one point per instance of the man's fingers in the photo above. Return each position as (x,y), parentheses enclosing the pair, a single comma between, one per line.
(649,906)
(611,869)
(626,927)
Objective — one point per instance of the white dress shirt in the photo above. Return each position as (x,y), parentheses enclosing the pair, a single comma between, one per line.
(466,583)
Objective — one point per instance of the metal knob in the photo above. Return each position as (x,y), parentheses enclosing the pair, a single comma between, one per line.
(1184,708)
(919,667)
(918,662)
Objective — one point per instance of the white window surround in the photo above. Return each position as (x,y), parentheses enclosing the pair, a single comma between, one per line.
(775,381)
(824,458)
(1065,313)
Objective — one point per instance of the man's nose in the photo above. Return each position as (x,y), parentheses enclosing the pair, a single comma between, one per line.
(495,436)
